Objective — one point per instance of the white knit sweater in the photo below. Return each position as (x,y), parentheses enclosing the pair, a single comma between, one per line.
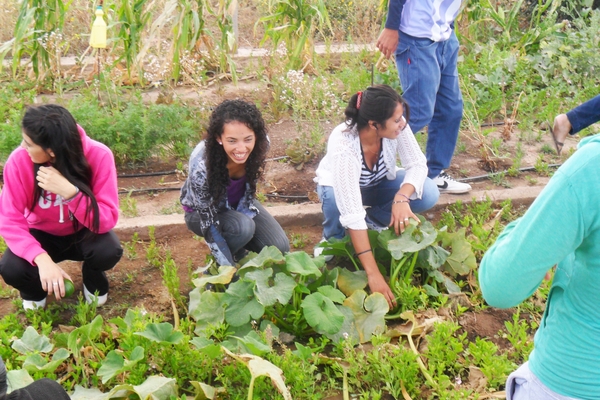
(341,168)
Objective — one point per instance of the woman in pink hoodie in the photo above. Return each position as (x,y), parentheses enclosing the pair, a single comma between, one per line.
(59,202)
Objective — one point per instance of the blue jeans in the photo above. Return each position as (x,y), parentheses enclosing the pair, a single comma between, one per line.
(379,198)
(429,78)
(584,115)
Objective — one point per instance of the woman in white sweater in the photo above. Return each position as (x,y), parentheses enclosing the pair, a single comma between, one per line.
(358,182)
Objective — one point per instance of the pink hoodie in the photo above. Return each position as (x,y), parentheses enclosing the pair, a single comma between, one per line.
(51,214)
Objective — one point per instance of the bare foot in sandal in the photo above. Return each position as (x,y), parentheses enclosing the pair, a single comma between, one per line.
(560,130)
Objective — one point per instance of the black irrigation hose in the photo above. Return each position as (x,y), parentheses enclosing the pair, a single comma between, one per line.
(496,123)
(125,191)
(487,176)
(173,172)
(283,196)
(131,191)
(277,158)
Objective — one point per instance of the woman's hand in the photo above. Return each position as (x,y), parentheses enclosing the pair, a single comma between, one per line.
(52,181)
(51,276)
(377,284)
(401,215)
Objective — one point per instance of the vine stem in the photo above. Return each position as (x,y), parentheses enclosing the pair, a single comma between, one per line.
(251,388)
(411,268)
(424,371)
(284,324)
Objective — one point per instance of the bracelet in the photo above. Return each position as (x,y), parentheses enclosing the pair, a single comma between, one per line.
(400,201)
(363,252)
(403,195)
(73,197)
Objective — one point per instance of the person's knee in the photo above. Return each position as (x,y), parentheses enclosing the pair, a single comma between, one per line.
(244,229)
(430,197)
(106,251)
(282,243)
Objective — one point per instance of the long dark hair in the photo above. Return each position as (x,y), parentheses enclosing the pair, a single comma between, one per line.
(216,158)
(378,104)
(52,127)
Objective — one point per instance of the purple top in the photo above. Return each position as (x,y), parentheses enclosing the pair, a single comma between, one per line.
(235,191)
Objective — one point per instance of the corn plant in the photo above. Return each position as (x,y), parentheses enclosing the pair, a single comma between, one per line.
(186,19)
(37,35)
(509,20)
(227,11)
(294,22)
(132,17)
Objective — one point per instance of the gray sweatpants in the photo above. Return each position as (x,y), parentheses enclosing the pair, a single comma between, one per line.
(524,385)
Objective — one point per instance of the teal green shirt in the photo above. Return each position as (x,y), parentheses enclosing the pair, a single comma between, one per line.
(562,227)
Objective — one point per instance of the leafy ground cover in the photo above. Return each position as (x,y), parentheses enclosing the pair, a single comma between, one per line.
(179,350)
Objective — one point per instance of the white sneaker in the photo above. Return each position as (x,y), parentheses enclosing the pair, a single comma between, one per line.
(32,305)
(89,297)
(319,250)
(447,184)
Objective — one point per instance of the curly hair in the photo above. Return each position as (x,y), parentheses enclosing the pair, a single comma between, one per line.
(216,158)
(52,127)
(378,104)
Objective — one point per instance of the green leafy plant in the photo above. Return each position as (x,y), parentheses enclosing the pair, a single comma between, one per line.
(421,248)
(518,334)
(298,240)
(541,167)
(128,206)
(294,292)
(294,22)
(306,148)
(494,365)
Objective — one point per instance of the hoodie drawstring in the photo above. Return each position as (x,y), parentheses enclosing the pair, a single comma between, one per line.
(61,219)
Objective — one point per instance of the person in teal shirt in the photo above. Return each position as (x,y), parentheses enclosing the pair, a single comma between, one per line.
(562,228)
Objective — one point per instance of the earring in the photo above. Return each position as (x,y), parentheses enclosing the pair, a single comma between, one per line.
(221,143)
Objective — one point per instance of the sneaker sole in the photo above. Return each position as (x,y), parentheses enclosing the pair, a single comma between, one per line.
(455,191)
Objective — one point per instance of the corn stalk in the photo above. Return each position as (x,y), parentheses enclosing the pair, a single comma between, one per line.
(186,21)
(131,19)
(36,21)
(225,14)
(295,23)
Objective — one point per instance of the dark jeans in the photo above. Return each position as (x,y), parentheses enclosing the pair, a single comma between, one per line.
(242,232)
(584,115)
(99,253)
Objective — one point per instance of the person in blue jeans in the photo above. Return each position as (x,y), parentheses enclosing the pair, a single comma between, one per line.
(359,184)
(421,34)
(574,121)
